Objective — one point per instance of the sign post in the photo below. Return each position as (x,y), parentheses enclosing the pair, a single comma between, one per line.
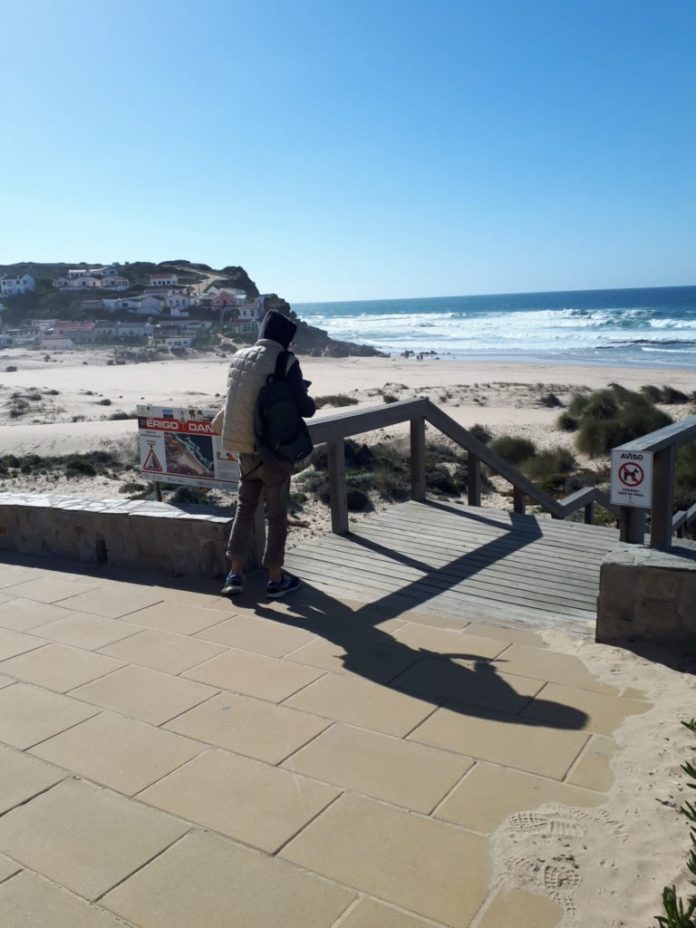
(178,445)
(631,478)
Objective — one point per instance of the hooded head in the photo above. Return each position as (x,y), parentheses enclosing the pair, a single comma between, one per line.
(278,328)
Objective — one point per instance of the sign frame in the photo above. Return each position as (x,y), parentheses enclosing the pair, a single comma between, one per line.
(631,478)
(177,445)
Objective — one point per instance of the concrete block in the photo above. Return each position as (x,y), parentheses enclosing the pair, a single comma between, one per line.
(648,594)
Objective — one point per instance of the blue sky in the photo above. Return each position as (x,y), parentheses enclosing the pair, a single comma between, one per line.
(357,149)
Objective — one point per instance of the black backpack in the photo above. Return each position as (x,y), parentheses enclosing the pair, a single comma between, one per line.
(281,432)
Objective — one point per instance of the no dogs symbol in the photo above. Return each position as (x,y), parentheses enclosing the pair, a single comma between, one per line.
(631,474)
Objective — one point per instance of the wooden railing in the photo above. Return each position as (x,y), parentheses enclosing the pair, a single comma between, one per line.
(333,430)
(663,445)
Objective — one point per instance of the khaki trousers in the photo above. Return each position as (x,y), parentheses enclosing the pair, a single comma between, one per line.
(272,481)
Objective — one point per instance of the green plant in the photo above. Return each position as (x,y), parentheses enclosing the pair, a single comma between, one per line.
(390,398)
(104,402)
(671,395)
(550,400)
(679,913)
(652,393)
(514,450)
(481,433)
(566,422)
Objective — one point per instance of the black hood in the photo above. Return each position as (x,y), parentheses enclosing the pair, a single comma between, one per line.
(278,328)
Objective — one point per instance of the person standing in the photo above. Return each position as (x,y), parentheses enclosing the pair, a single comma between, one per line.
(249,369)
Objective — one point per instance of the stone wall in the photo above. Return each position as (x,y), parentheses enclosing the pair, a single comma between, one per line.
(648,594)
(142,535)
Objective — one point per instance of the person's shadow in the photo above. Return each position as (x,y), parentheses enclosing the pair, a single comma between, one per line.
(462,682)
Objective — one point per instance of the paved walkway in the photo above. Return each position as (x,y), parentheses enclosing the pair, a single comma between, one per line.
(169,759)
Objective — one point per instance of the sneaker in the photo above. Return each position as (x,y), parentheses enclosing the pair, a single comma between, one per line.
(287,584)
(234,584)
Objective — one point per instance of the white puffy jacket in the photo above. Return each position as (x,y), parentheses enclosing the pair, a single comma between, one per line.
(249,369)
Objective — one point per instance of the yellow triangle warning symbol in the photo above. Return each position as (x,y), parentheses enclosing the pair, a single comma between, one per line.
(152,461)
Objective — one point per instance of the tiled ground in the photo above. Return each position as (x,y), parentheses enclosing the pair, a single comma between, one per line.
(169,759)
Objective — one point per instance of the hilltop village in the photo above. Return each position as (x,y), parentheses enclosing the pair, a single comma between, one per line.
(143,310)
(163,311)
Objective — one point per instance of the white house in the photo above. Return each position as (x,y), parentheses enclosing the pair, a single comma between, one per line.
(11,286)
(114,282)
(164,279)
(133,329)
(141,305)
(111,270)
(75,272)
(178,341)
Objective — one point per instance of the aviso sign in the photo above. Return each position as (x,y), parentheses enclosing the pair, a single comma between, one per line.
(631,478)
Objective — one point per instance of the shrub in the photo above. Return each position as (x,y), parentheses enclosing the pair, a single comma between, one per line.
(551,468)
(550,400)
(10,368)
(514,450)
(335,399)
(651,393)
(439,480)
(122,415)
(78,467)
(358,501)
(685,477)
(481,433)
(616,415)
(390,398)
(670,395)
(104,402)
(601,404)
(577,405)
(598,437)
(566,422)
(34,397)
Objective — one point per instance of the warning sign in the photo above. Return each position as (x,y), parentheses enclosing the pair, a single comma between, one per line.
(631,478)
(152,462)
(180,446)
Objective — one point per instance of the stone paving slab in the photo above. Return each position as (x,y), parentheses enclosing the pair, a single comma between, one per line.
(397,856)
(489,794)
(85,631)
(8,868)
(22,777)
(248,726)
(404,773)
(144,694)
(28,901)
(85,838)
(117,752)
(29,714)
(256,803)
(311,763)
(205,881)
(22,615)
(59,667)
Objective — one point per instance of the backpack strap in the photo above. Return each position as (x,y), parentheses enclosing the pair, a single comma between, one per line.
(281,364)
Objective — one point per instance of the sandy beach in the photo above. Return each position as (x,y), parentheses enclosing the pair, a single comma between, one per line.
(77,388)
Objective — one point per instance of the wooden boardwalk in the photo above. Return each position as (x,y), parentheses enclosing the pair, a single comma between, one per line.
(469,562)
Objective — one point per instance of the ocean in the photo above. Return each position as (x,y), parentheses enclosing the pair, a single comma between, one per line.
(654,327)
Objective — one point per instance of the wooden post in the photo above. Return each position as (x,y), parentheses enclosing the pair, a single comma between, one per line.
(518,500)
(474,480)
(418,459)
(662,498)
(589,514)
(337,486)
(632,525)
(158,491)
